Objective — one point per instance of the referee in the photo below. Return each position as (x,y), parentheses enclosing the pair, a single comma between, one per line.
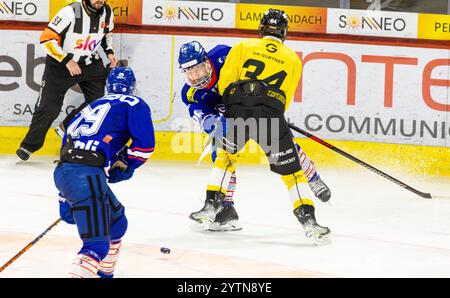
(71,40)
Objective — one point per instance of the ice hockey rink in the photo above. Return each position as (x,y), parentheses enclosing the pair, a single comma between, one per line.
(378,228)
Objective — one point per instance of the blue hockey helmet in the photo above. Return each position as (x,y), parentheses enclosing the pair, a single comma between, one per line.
(121,80)
(194,63)
(191,53)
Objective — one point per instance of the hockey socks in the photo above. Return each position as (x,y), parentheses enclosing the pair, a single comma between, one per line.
(85,265)
(107,265)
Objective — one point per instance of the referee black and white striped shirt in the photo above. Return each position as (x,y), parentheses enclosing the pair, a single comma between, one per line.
(77,32)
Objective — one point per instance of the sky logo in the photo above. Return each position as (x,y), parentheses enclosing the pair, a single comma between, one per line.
(87,44)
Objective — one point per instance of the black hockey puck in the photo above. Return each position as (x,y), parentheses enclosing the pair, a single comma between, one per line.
(165,250)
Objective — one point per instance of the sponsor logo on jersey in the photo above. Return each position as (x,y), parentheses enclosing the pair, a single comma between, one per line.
(107,139)
(89,145)
(56,21)
(190,94)
(86,44)
(271,48)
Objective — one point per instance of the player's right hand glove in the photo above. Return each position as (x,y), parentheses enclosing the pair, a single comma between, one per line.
(203,95)
(121,156)
(214,122)
(65,211)
(119,172)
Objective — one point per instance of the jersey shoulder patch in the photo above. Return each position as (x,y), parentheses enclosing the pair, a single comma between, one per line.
(190,95)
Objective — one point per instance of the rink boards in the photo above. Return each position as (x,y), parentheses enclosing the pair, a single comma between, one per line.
(386,103)
(187,147)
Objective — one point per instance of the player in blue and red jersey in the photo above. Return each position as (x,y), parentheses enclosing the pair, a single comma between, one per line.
(94,153)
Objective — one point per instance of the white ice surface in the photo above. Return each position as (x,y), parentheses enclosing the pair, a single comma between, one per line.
(378,228)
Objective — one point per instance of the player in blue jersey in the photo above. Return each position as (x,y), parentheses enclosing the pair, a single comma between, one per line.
(200,94)
(94,153)
(205,107)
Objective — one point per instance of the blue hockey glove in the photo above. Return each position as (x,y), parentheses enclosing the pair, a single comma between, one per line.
(120,155)
(120,170)
(211,122)
(65,211)
(117,174)
(203,95)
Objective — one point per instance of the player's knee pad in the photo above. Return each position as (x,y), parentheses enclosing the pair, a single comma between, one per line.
(96,249)
(119,226)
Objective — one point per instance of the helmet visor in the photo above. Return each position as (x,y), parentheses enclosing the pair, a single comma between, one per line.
(199,75)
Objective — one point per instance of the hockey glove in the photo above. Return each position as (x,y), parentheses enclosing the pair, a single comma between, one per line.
(120,170)
(120,173)
(214,122)
(121,156)
(65,211)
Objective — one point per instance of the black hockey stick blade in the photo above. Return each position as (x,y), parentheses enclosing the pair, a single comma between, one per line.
(360,162)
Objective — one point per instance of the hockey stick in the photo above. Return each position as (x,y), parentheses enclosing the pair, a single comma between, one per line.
(29,245)
(207,147)
(360,162)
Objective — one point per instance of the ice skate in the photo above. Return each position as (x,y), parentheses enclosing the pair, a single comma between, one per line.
(207,214)
(313,231)
(226,219)
(319,188)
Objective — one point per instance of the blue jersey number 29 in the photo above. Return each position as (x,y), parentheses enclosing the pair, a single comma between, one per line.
(89,121)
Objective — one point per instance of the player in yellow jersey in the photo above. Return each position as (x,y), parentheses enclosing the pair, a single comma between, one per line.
(257,83)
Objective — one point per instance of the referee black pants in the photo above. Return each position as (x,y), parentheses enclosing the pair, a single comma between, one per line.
(56,81)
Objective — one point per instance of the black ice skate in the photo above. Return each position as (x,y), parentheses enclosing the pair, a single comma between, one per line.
(23,153)
(319,188)
(207,214)
(226,219)
(314,231)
